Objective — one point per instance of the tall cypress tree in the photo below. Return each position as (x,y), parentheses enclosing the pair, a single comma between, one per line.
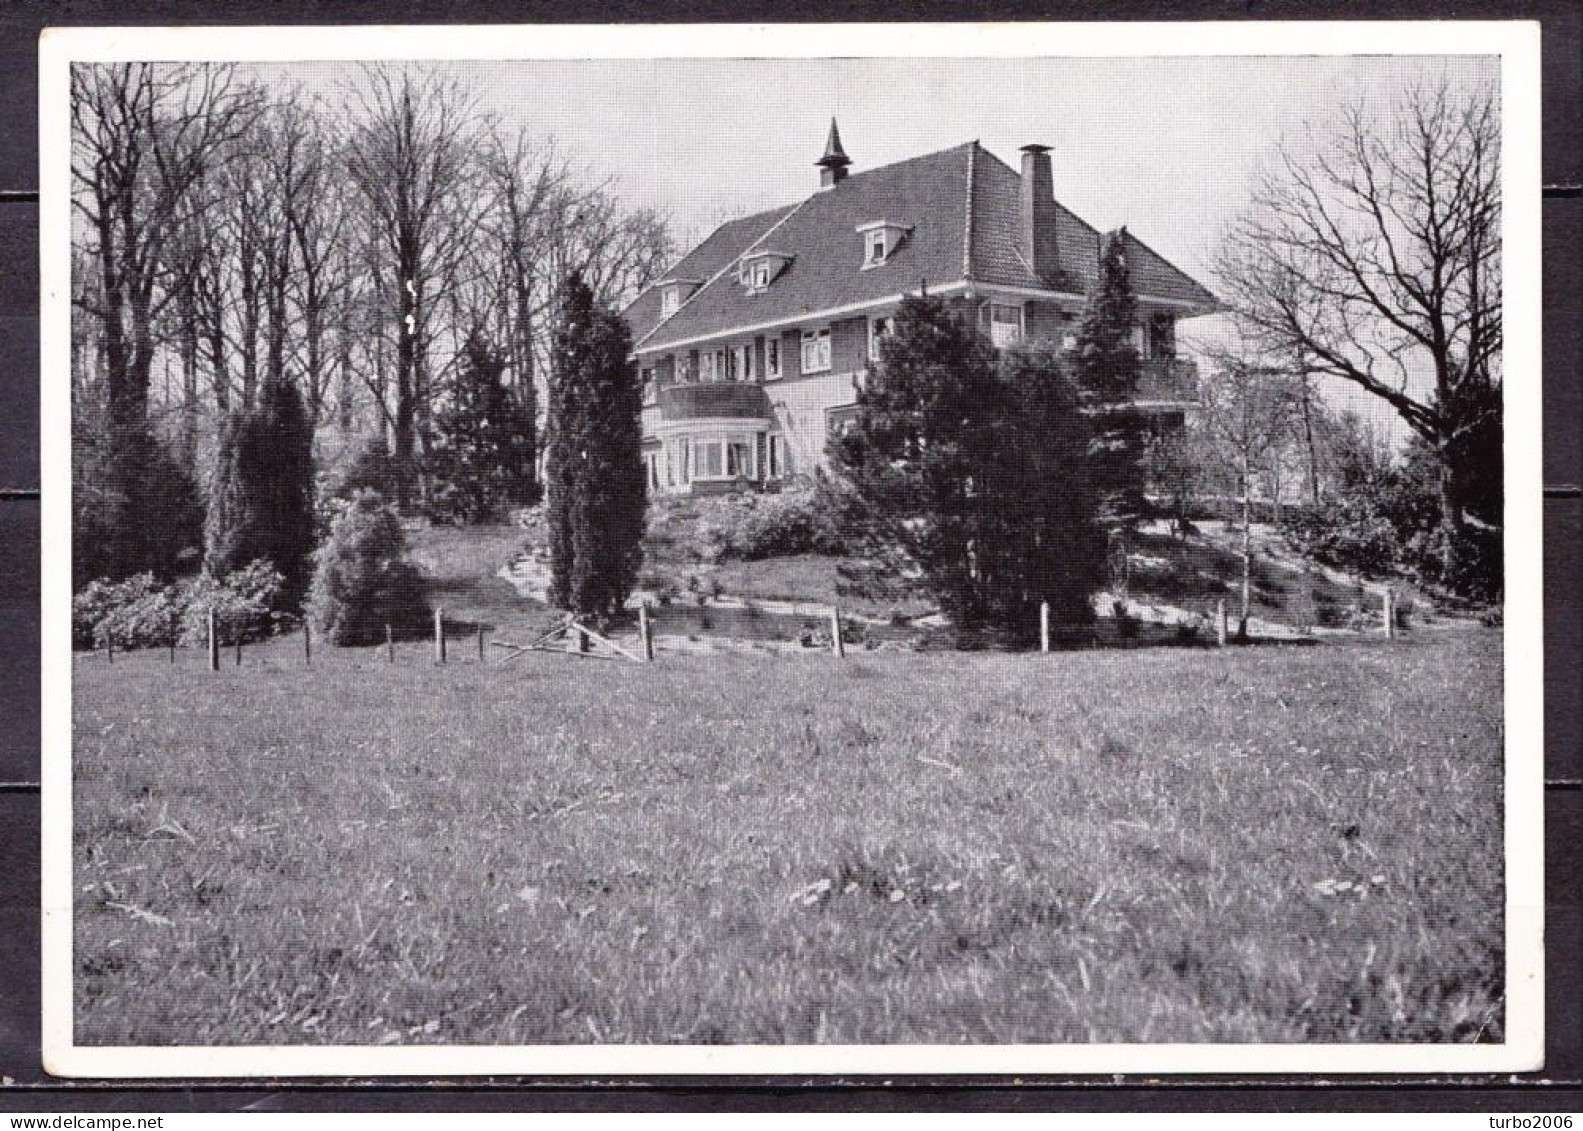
(597,492)
(1108,369)
(262,502)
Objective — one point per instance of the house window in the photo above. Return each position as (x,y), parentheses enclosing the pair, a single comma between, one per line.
(739,459)
(1140,341)
(654,471)
(706,366)
(772,359)
(1005,325)
(773,458)
(816,350)
(648,385)
(708,459)
(670,301)
(1162,336)
(876,249)
(742,363)
(676,464)
(761,274)
(877,329)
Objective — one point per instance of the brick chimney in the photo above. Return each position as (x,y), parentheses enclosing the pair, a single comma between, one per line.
(1038,244)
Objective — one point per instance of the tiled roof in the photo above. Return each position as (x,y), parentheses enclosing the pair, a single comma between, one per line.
(964,208)
(704,262)
(997,258)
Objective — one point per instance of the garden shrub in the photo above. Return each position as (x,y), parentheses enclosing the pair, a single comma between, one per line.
(139,613)
(243,602)
(100,600)
(746,527)
(1351,534)
(772,526)
(362,581)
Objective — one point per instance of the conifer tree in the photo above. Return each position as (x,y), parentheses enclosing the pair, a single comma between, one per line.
(977,469)
(597,491)
(362,582)
(262,503)
(1108,368)
(483,460)
(134,509)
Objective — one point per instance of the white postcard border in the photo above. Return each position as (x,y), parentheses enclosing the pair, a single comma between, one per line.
(1517,45)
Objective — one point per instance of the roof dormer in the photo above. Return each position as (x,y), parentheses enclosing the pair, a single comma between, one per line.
(674,292)
(758,268)
(880,240)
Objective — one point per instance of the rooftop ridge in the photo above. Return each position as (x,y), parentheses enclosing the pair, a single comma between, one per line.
(967,226)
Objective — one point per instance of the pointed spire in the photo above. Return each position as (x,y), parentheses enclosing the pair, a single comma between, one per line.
(832,166)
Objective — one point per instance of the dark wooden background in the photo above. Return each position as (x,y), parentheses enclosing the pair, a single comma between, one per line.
(26,1087)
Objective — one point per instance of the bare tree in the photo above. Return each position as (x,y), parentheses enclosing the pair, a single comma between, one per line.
(411,155)
(1376,259)
(143,138)
(1248,413)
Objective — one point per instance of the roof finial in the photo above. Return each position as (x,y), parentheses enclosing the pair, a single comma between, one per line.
(832,166)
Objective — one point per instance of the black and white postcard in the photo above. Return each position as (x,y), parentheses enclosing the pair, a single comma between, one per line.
(818,549)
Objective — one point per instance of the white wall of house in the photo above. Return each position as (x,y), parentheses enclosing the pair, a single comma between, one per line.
(799,406)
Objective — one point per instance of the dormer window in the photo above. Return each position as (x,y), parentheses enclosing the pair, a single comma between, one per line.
(876,249)
(759,267)
(880,239)
(674,292)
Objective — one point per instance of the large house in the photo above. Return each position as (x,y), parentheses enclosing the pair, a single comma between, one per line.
(752,348)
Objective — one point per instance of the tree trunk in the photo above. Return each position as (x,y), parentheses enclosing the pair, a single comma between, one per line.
(343,405)
(1451,525)
(189,385)
(313,379)
(1308,441)
(222,380)
(1247,547)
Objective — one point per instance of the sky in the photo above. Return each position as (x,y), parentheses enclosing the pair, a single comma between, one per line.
(1168,146)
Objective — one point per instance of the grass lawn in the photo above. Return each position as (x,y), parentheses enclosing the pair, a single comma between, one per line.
(1112,846)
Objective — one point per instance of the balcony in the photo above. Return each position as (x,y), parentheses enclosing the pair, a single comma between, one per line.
(722,400)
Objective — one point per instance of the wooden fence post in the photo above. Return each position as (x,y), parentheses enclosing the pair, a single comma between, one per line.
(109,648)
(214,644)
(1044,626)
(480,644)
(1389,613)
(582,638)
(837,644)
(307,643)
(173,631)
(239,648)
(1220,622)
(439,636)
(645,634)
(390,646)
